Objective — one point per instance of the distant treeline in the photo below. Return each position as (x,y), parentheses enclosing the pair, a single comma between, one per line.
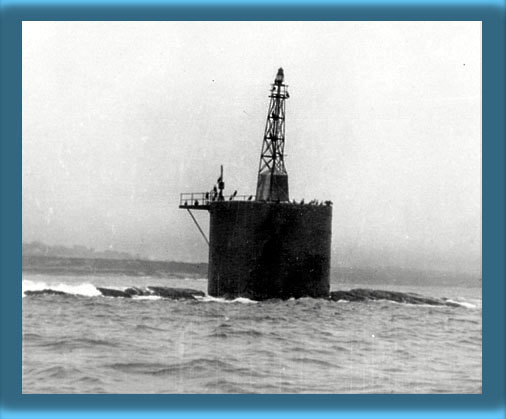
(55,265)
(79,260)
(37,248)
(400,276)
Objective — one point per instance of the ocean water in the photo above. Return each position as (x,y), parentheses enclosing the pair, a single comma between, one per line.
(83,342)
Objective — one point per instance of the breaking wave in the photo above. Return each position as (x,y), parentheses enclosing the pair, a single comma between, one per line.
(84,289)
(462,303)
(209,299)
(32,288)
(360,294)
(36,288)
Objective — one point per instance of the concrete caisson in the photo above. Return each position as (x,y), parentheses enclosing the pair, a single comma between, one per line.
(262,250)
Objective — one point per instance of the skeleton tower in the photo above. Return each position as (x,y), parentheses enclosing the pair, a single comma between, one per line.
(272,182)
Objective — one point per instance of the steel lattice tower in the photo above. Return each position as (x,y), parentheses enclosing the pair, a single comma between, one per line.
(272,176)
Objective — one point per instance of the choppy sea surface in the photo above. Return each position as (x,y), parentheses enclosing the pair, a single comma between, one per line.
(83,342)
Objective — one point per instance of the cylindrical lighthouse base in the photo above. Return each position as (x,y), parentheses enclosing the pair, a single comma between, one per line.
(263,250)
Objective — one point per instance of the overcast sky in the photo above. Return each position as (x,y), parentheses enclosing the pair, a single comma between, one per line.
(384,119)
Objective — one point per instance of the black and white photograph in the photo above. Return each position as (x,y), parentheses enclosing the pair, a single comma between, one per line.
(256,207)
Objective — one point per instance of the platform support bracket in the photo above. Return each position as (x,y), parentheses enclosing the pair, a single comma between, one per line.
(198,226)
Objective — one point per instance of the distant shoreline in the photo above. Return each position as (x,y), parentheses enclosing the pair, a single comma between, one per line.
(57,265)
(81,266)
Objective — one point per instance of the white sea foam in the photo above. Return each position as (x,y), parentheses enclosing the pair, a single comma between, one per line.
(28,285)
(242,300)
(146,297)
(85,289)
(89,290)
(462,303)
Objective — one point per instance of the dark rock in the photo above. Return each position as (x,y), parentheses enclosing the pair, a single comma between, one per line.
(132,291)
(108,292)
(451,303)
(176,293)
(46,292)
(346,295)
(399,297)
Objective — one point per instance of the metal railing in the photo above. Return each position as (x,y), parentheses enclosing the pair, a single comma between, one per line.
(203,199)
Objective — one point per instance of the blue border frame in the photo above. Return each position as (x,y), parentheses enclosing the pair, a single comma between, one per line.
(488,405)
